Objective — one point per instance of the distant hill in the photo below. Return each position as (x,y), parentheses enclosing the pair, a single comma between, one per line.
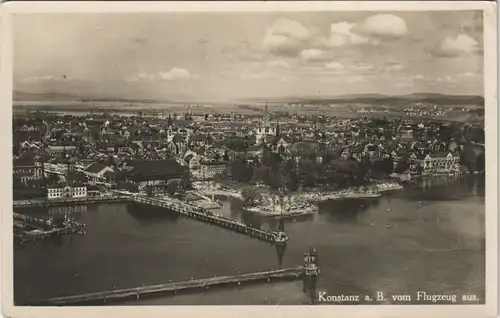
(372,99)
(379,99)
(24,96)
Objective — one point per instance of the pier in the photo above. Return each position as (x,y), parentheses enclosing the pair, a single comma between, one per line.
(206,216)
(31,219)
(24,236)
(70,201)
(173,287)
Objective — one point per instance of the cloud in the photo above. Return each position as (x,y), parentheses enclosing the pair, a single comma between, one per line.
(203,41)
(335,66)
(469,75)
(362,67)
(139,40)
(394,67)
(404,83)
(342,34)
(461,45)
(278,64)
(41,79)
(314,55)
(244,51)
(372,30)
(285,38)
(174,75)
(258,75)
(383,26)
(354,79)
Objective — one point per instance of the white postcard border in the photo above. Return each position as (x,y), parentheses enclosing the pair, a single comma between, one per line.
(491,116)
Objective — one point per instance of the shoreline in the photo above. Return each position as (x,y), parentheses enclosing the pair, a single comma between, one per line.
(311,198)
(290,213)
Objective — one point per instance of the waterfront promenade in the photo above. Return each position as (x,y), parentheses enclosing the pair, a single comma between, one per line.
(173,287)
(70,201)
(213,192)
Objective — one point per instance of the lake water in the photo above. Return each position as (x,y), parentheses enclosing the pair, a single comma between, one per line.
(427,237)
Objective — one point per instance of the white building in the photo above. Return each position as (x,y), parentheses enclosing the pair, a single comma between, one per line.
(66,192)
(265,130)
(95,173)
(441,163)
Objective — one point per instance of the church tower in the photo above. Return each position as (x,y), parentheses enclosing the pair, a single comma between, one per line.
(169,121)
(266,116)
(170,128)
(264,129)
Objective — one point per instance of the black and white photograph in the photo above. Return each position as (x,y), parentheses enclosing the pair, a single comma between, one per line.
(266,155)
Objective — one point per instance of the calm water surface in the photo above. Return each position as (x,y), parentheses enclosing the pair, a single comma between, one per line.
(436,243)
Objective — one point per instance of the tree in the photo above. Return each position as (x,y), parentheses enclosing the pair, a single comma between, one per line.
(402,167)
(236,144)
(149,190)
(52,179)
(250,196)
(18,184)
(419,169)
(221,177)
(241,171)
(186,182)
(348,173)
(172,186)
(261,174)
(76,178)
(469,158)
(128,186)
(481,162)
(308,173)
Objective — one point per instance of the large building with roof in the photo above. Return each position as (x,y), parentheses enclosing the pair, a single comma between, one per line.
(26,169)
(155,173)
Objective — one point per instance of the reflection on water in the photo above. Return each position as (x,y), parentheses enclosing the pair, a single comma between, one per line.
(449,187)
(418,238)
(55,210)
(145,214)
(280,252)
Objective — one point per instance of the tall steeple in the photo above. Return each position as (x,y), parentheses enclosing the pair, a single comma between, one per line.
(169,121)
(266,116)
(278,128)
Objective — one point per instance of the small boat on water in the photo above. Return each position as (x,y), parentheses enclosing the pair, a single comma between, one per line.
(280,238)
(279,235)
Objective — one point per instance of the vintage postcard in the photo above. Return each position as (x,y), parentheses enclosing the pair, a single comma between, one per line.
(243,159)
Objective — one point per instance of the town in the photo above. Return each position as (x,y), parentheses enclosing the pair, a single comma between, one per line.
(71,157)
(173,153)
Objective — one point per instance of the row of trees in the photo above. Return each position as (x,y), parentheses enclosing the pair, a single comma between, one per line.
(287,173)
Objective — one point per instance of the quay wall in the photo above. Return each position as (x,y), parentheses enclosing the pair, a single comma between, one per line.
(70,201)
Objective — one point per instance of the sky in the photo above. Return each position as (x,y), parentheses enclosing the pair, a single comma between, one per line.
(226,57)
